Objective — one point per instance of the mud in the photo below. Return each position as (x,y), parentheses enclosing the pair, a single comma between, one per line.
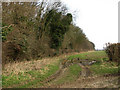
(86,79)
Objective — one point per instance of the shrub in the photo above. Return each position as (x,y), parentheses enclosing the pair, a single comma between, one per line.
(11,51)
(113,51)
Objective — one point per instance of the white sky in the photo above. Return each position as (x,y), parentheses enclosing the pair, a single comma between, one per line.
(97,18)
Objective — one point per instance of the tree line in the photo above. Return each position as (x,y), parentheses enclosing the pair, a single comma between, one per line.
(32,30)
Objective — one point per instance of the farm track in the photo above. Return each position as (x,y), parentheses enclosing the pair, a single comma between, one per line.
(100,81)
(85,71)
(111,81)
(84,80)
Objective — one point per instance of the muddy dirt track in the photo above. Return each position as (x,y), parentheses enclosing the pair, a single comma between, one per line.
(84,80)
(93,82)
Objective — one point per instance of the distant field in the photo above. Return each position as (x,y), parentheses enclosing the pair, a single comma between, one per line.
(95,55)
(35,72)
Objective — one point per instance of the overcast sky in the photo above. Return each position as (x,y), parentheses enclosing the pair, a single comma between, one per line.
(97,18)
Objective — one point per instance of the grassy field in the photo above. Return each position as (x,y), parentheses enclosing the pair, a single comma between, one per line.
(103,66)
(33,73)
(95,55)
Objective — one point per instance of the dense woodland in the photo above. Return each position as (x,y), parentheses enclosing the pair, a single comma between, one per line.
(32,30)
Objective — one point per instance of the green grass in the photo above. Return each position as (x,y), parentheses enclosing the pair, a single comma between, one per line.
(101,69)
(102,66)
(39,77)
(19,81)
(75,69)
(97,55)
(13,79)
(71,74)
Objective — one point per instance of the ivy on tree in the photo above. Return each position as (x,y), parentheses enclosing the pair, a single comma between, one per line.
(59,25)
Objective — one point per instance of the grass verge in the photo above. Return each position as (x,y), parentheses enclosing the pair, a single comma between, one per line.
(29,78)
(104,68)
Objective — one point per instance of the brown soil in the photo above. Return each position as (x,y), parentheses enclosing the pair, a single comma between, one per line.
(86,80)
(93,82)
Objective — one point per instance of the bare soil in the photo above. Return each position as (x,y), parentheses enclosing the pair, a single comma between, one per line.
(93,82)
(86,80)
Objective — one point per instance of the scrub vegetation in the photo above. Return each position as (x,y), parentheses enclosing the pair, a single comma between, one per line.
(44,30)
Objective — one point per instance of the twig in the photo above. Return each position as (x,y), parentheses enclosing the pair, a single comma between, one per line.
(8,26)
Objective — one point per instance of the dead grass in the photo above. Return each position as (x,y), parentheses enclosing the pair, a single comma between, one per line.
(24,66)
(17,67)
